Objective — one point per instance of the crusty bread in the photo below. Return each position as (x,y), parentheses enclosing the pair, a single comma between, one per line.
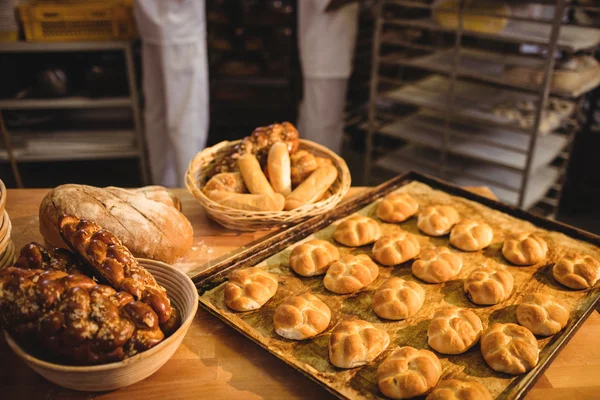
(525,248)
(454,330)
(542,314)
(437,220)
(313,257)
(398,299)
(249,289)
(454,389)
(148,228)
(487,286)
(509,348)
(397,207)
(247,201)
(577,271)
(396,249)
(357,231)
(437,265)
(226,182)
(278,165)
(301,317)
(471,235)
(350,274)
(356,343)
(313,188)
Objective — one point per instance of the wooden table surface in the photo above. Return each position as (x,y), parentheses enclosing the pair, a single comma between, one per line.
(216,362)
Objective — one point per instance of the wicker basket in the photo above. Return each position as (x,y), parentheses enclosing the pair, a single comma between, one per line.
(242,220)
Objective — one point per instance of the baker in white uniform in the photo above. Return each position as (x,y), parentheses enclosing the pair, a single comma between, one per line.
(326,42)
(175,83)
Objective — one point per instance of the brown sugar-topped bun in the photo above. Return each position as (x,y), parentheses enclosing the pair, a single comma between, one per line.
(356,343)
(454,330)
(509,348)
(350,274)
(437,220)
(487,286)
(471,235)
(542,314)
(525,248)
(437,265)
(455,389)
(397,207)
(398,299)
(408,372)
(576,271)
(301,317)
(395,249)
(357,231)
(249,289)
(313,257)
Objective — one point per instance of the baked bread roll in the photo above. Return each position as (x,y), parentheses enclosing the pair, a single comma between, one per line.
(249,289)
(487,286)
(471,235)
(454,389)
(525,248)
(437,220)
(303,164)
(313,188)
(474,16)
(350,274)
(408,372)
(454,330)
(253,176)
(356,343)
(398,299)
(226,182)
(577,271)
(278,165)
(509,348)
(301,317)
(397,207)
(313,257)
(357,231)
(249,202)
(396,249)
(437,265)
(542,315)
(36,256)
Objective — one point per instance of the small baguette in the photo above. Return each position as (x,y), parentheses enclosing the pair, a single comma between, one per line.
(312,188)
(278,165)
(254,178)
(248,202)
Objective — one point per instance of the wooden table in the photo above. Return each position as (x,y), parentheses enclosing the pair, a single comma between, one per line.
(216,362)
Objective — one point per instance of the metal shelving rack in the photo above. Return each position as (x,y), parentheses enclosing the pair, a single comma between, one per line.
(434,88)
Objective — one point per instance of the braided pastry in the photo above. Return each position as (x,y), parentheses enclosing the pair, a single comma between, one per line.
(36,256)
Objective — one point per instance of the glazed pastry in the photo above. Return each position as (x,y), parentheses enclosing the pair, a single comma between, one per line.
(396,249)
(36,256)
(542,315)
(437,265)
(249,289)
(454,330)
(471,235)
(301,317)
(577,271)
(356,343)
(350,274)
(454,389)
(357,231)
(226,182)
(398,299)
(437,220)
(509,348)
(397,207)
(487,286)
(525,249)
(313,257)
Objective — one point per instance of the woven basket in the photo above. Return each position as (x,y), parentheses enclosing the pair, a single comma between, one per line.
(243,220)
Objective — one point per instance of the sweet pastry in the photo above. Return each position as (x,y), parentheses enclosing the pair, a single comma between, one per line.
(396,249)
(397,207)
(483,16)
(437,265)
(437,220)
(301,317)
(454,330)
(542,315)
(226,182)
(350,274)
(408,372)
(249,289)
(398,299)
(313,257)
(356,343)
(487,286)
(577,271)
(509,348)
(471,235)
(357,231)
(455,389)
(313,188)
(525,248)
(36,256)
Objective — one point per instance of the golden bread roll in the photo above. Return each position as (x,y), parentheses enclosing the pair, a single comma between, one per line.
(454,330)
(474,16)
(350,274)
(487,286)
(542,315)
(437,265)
(249,289)
(577,271)
(303,164)
(397,207)
(357,231)
(278,166)
(408,372)
(301,317)
(398,299)
(437,220)
(253,176)
(454,389)
(313,188)
(396,249)
(356,343)
(509,348)
(226,182)
(246,201)
(313,257)
(525,248)
(471,235)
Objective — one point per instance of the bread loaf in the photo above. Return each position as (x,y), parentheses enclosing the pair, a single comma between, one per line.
(278,165)
(313,188)
(254,178)
(249,202)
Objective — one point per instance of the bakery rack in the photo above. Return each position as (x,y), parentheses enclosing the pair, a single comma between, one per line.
(435,92)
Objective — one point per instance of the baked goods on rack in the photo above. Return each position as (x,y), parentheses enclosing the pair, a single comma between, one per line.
(397,207)
(226,182)
(350,274)
(395,249)
(356,343)
(246,201)
(279,169)
(471,235)
(487,286)
(523,113)
(483,16)
(577,271)
(357,231)
(398,299)
(437,265)
(301,317)
(249,289)
(525,248)
(454,330)
(313,257)
(455,389)
(313,188)
(408,372)
(509,348)
(437,220)
(542,314)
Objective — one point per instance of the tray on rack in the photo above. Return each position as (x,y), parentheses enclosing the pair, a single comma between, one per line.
(311,356)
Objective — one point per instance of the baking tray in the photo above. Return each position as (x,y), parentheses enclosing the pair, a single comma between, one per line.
(310,357)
